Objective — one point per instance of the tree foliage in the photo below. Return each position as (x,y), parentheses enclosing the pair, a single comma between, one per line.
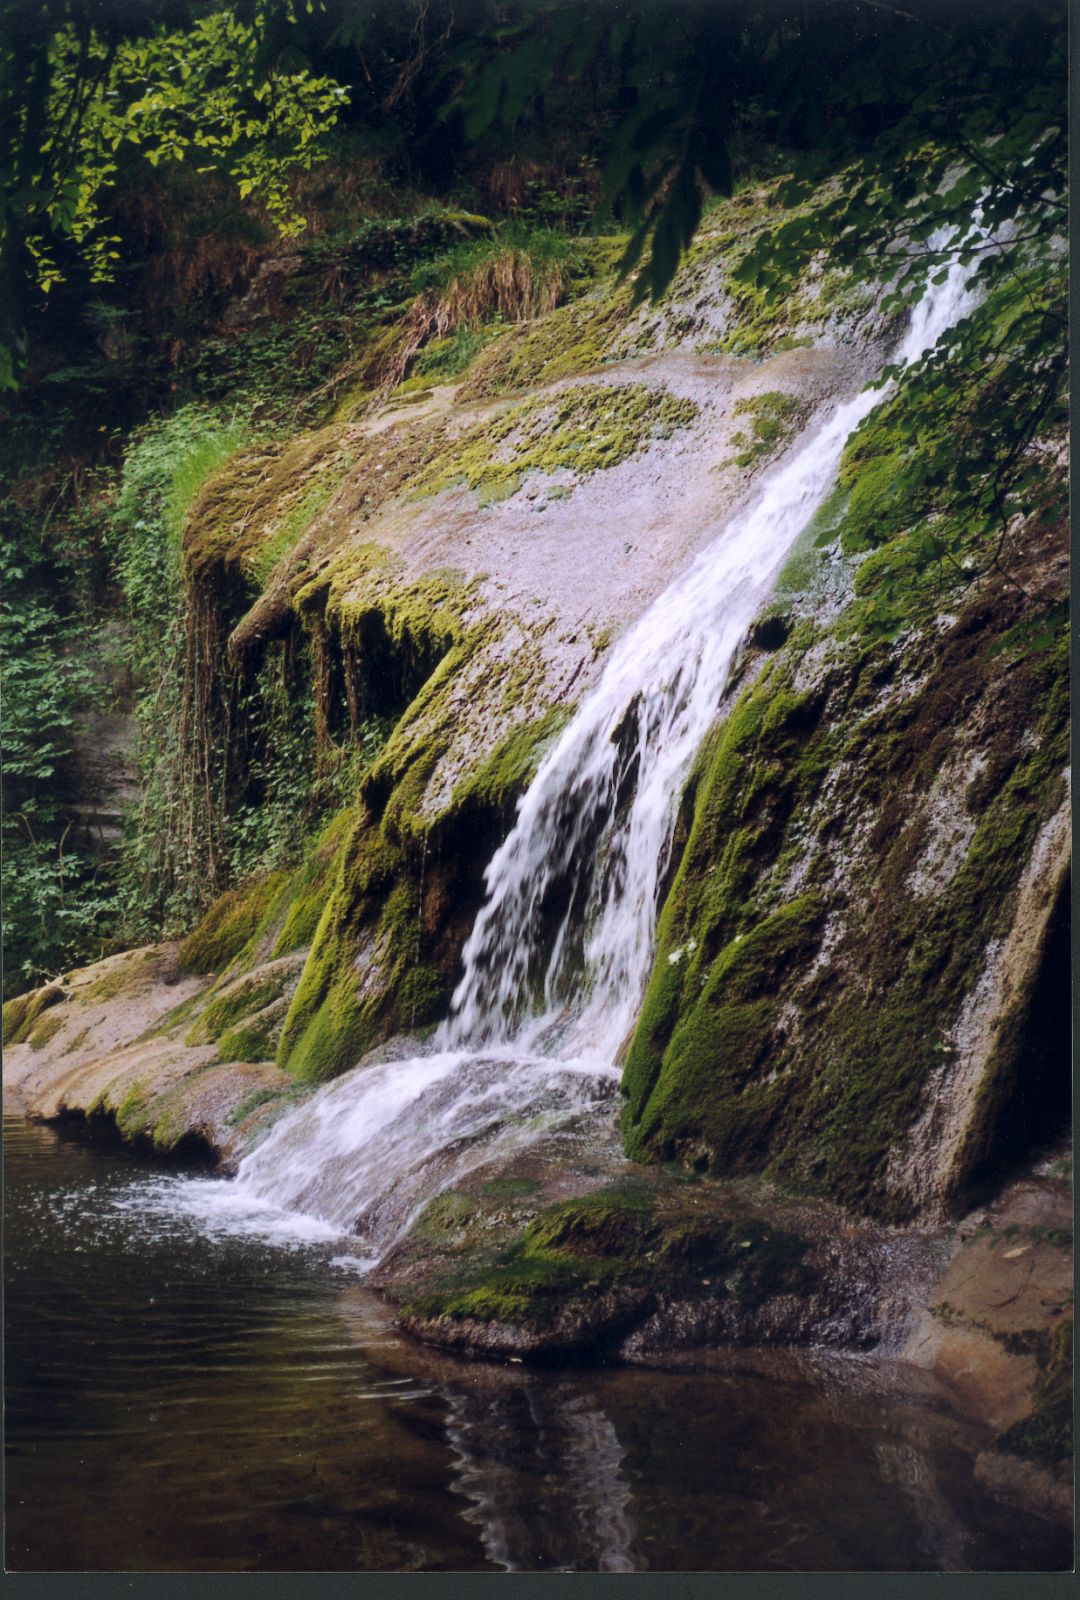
(928,105)
(675,88)
(88,88)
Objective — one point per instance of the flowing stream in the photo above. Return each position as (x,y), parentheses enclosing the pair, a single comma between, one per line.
(557,962)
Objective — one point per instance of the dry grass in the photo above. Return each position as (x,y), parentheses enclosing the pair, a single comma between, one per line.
(508,286)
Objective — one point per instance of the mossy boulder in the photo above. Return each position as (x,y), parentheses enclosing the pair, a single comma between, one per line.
(586,1271)
(232,922)
(22,1012)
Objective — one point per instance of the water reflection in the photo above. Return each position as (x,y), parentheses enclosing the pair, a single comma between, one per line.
(942,1537)
(540,1465)
(179,1400)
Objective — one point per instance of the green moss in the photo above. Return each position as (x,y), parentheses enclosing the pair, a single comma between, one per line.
(574,339)
(241,998)
(167,1118)
(48,1027)
(417,622)
(22,1012)
(583,428)
(616,1244)
(14,1016)
(297,520)
(328,1025)
(396,903)
(130,1113)
(253,509)
(173,1020)
(422,997)
(607,1225)
(510,1188)
(126,975)
(511,766)
(108,986)
(259,1099)
(759,323)
(230,923)
(876,505)
(254,1038)
(717,1075)
(325,1035)
(772,418)
(445,1219)
(308,888)
(705,1097)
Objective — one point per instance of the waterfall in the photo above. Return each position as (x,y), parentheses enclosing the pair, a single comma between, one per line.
(556,965)
(640,727)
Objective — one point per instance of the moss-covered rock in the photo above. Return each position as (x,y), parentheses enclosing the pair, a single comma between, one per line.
(371,970)
(771,418)
(231,923)
(22,1012)
(861,827)
(46,1028)
(244,997)
(582,428)
(572,341)
(1046,1434)
(586,1270)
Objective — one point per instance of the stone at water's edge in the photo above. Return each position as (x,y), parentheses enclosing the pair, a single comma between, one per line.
(997,1329)
(110,1047)
(611,1259)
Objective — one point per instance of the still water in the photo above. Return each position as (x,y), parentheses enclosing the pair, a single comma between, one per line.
(182,1399)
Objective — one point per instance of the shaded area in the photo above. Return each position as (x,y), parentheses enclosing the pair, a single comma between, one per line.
(183,1401)
(1037,1107)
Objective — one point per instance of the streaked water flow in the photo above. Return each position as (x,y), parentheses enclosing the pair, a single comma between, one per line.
(556,965)
(640,728)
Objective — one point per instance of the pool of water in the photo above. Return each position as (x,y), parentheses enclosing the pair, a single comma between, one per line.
(182,1398)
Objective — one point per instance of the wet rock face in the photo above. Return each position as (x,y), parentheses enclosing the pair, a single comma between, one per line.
(102,778)
(863,919)
(457,561)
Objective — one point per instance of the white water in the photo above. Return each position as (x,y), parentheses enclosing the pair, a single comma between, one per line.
(641,726)
(557,962)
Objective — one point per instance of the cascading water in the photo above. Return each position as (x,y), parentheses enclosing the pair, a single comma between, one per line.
(557,962)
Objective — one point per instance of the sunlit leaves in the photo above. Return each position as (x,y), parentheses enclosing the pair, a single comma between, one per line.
(230,86)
